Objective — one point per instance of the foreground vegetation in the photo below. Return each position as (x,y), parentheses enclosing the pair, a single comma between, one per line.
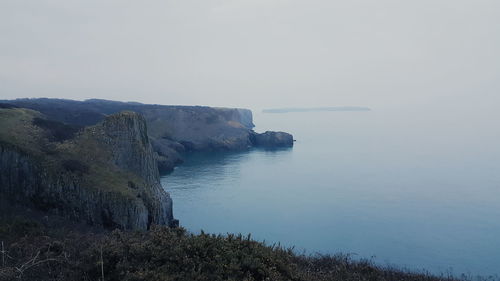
(33,252)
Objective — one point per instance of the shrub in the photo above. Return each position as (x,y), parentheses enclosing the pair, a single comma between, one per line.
(175,254)
(75,166)
(56,131)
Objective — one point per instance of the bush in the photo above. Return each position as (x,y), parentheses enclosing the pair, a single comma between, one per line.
(75,166)
(56,131)
(175,254)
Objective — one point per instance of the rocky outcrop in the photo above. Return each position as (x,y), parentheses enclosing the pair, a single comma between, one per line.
(125,136)
(271,139)
(106,175)
(24,181)
(168,154)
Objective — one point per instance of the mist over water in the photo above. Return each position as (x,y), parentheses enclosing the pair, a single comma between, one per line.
(414,187)
(414,182)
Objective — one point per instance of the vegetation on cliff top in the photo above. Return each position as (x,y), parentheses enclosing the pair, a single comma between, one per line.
(35,253)
(17,129)
(104,174)
(63,149)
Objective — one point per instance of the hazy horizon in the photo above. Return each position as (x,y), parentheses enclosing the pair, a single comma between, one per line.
(254,54)
(413,182)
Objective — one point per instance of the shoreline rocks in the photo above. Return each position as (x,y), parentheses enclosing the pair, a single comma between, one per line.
(270,139)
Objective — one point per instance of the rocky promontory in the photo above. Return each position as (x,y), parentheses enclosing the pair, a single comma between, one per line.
(173,130)
(104,175)
(272,139)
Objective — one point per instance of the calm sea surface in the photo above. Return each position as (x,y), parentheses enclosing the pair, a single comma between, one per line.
(412,188)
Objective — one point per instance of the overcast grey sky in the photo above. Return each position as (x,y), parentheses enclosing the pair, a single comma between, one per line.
(252,53)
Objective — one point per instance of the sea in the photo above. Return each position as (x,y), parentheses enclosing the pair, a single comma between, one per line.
(414,187)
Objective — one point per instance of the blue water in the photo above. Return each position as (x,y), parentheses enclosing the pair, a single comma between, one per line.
(417,189)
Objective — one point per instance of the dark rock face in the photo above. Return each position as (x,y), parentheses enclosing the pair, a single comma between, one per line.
(24,182)
(273,139)
(106,175)
(125,135)
(168,154)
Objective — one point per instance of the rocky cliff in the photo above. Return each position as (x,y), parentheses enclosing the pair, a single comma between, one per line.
(104,174)
(272,139)
(173,130)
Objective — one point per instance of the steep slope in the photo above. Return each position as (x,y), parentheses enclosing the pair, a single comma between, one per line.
(104,174)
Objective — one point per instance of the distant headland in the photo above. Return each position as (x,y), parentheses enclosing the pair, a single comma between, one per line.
(315,109)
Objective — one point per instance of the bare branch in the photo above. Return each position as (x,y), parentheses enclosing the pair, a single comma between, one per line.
(102,266)
(3,256)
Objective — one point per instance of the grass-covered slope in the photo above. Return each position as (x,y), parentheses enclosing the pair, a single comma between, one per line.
(104,174)
(30,134)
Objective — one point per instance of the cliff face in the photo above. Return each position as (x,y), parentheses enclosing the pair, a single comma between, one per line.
(23,181)
(104,175)
(125,136)
(172,129)
(196,127)
(240,115)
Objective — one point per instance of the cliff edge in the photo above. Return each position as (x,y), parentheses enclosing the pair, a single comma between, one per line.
(105,174)
(172,129)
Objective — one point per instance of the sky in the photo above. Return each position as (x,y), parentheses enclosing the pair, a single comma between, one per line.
(253,53)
